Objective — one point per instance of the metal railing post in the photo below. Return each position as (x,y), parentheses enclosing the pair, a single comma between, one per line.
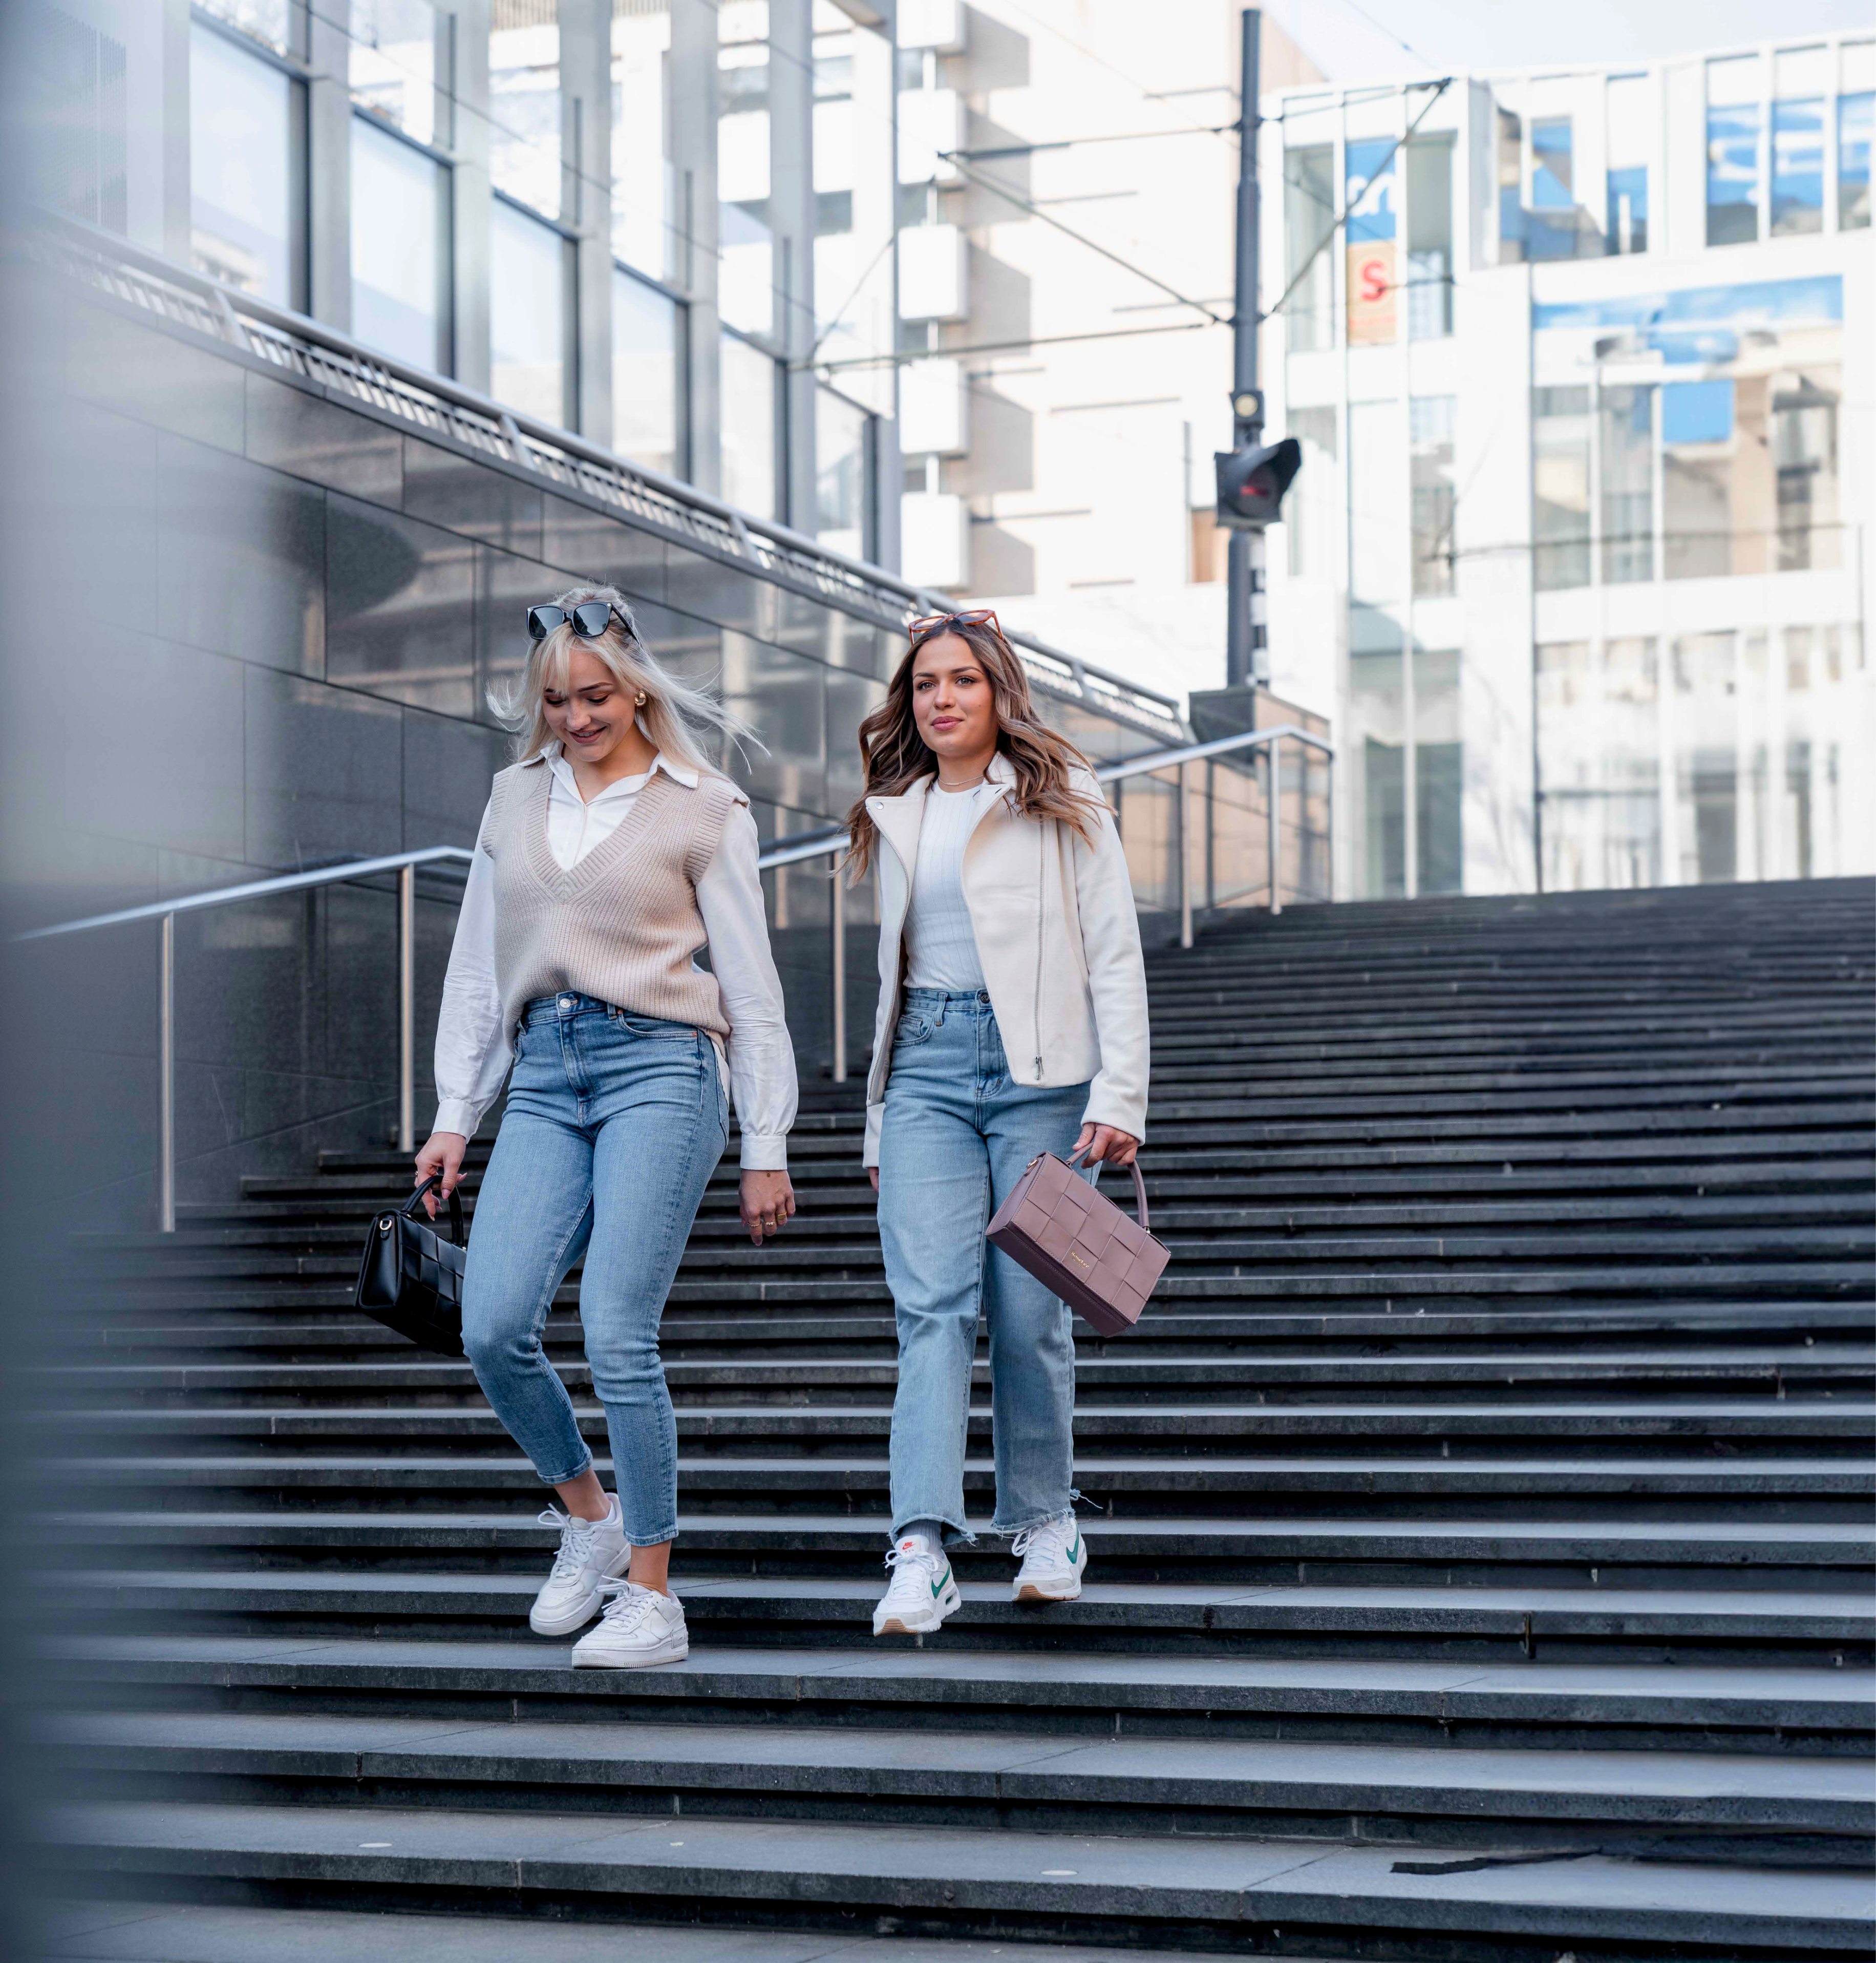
(166,1076)
(406,1008)
(839,975)
(1185,857)
(1276,885)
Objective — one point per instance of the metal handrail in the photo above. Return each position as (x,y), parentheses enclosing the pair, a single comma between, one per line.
(816,845)
(519,439)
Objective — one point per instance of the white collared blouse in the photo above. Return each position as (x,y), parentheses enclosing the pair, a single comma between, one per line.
(473,1050)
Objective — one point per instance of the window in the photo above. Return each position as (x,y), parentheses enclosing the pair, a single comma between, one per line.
(524,103)
(246,172)
(646,232)
(746,271)
(1631,103)
(1430,238)
(1551,230)
(72,86)
(1706,758)
(1377,728)
(1439,863)
(1701,452)
(530,273)
(1510,188)
(1804,461)
(1628,435)
(751,412)
(648,391)
(1430,419)
(1369,169)
(1856,127)
(1560,487)
(395,69)
(1733,119)
(400,247)
(840,474)
(270,22)
(1309,512)
(1599,764)
(1798,141)
(1378,517)
(1308,213)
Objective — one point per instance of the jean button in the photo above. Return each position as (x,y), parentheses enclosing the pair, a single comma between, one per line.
(566,1001)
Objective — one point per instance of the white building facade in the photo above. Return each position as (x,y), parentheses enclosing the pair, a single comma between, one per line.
(1580,557)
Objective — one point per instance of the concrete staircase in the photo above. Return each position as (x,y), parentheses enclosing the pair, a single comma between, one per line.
(1490,1479)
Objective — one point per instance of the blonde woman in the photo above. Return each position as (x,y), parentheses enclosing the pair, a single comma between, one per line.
(1012,1021)
(611,852)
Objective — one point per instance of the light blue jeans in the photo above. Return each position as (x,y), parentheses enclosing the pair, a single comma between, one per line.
(613,1126)
(956,1136)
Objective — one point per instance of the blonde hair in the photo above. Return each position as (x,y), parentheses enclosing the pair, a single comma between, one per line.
(682,722)
(895,756)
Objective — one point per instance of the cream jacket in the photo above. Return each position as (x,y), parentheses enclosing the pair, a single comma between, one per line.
(1057,935)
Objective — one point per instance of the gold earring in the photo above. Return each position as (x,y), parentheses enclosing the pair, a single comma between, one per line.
(638,701)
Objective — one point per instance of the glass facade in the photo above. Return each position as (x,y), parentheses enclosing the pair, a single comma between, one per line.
(1560,453)
(1309,215)
(400,247)
(1733,114)
(530,278)
(1629,108)
(1430,237)
(752,413)
(1429,431)
(648,390)
(841,478)
(1599,764)
(247,210)
(1378,545)
(648,230)
(399,67)
(1798,141)
(1369,172)
(1626,429)
(524,108)
(746,270)
(1856,131)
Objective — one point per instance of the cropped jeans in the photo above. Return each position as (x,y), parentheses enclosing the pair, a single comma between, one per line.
(613,1125)
(956,1136)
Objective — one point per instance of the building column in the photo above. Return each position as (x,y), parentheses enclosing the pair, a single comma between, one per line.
(792,221)
(874,311)
(174,238)
(586,149)
(329,164)
(693,113)
(469,267)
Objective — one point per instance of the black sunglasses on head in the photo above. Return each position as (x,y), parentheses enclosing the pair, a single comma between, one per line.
(589,620)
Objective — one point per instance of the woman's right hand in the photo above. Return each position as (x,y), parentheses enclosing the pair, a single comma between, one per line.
(872,1173)
(443,1154)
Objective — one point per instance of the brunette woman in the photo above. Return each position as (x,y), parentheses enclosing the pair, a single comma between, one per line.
(611,852)
(1012,1021)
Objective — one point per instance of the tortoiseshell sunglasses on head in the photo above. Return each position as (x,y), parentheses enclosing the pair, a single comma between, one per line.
(927,624)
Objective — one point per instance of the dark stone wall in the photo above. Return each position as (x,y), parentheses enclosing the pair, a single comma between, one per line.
(292,606)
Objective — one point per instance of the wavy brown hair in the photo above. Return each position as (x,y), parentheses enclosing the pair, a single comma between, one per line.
(895,756)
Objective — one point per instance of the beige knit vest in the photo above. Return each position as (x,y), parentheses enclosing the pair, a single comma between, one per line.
(623,924)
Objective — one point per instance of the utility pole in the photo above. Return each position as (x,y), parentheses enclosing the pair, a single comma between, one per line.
(1246,656)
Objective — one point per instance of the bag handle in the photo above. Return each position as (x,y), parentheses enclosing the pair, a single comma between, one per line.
(408,1209)
(1139,1185)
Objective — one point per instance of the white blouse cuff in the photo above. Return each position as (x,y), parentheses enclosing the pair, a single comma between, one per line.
(765,1151)
(458,1115)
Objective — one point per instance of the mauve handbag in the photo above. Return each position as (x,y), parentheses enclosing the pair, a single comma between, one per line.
(1102,1264)
(411,1278)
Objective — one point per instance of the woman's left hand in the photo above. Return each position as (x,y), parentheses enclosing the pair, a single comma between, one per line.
(1106,1143)
(768,1202)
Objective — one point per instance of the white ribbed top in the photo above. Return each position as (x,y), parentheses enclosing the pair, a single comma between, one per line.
(940,944)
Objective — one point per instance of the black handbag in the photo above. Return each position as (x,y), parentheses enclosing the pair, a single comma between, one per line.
(411,1278)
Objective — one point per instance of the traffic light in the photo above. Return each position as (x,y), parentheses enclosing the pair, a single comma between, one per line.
(1252,480)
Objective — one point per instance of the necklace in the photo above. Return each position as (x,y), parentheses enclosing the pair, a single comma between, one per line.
(972,786)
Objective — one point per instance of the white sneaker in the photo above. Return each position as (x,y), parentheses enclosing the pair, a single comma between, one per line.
(640,1626)
(922,1593)
(1053,1556)
(591,1551)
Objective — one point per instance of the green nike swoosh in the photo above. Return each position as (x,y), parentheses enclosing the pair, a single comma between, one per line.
(1076,1549)
(937,1587)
